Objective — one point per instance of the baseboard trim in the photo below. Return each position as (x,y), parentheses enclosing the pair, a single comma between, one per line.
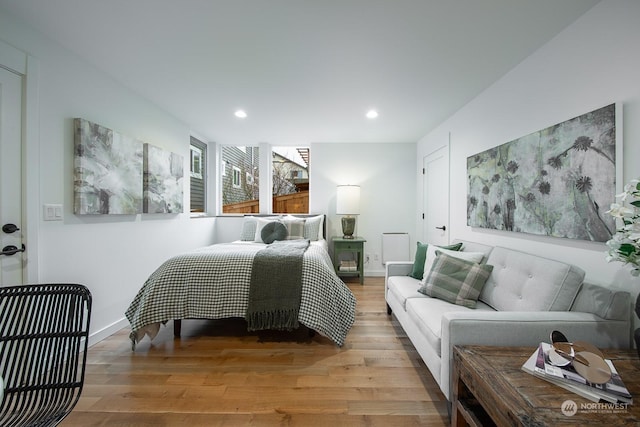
(374,273)
(106,332)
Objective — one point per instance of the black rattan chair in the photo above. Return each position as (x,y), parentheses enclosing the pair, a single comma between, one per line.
(44,331)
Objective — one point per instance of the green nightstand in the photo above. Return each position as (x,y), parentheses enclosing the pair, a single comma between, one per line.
(354,246)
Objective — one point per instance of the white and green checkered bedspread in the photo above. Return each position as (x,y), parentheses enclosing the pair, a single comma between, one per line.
(213,283)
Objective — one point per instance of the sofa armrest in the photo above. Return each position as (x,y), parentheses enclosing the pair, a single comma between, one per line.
(512,328)
(398,268)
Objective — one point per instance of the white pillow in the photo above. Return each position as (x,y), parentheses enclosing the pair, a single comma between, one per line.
(313,227)
(248,232)
(431,257)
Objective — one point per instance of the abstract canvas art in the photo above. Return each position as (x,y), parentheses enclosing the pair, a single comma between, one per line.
(557,182)
(163,181)
(107,171)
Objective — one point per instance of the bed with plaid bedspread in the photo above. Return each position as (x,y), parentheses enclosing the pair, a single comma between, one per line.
(213,283)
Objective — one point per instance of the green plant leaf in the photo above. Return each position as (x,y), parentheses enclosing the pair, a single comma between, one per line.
(626,249)
(636,203)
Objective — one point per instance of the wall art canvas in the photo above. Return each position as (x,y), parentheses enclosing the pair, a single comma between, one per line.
(163,181)
(107,171)
(559,181)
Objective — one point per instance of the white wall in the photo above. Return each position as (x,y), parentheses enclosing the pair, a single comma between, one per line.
(112,255)
(592,63)
(387,187)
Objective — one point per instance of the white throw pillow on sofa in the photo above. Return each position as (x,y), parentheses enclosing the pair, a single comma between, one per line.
(431,257)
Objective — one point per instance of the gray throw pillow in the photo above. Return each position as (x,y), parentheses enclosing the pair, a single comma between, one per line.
(456,280)
(295,228)
(275,230)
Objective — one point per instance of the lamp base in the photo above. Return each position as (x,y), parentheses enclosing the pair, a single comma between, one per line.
(348,227)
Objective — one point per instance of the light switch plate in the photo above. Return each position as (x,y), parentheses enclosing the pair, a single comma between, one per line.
(53,212)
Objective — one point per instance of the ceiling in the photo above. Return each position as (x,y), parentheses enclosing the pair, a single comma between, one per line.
(304,71)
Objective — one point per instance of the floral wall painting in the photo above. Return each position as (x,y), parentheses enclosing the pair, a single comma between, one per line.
(558,182)
(107,171)
(163,181)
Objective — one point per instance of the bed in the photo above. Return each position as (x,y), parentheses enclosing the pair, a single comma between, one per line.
(219,281)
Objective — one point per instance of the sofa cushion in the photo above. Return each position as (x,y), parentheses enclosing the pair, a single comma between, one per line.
(526,282)
(427,313)
(606,303)
(403,287)
(421,251)
(456,280)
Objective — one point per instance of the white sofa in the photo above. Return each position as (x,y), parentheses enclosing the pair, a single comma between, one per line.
(524,299)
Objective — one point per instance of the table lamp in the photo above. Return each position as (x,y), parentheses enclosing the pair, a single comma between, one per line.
(348,203)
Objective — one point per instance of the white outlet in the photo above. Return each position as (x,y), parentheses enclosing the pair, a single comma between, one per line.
(376,257)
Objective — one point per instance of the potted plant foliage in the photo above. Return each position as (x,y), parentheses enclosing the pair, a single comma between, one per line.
(624,245)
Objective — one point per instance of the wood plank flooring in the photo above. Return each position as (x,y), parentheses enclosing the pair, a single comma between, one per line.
(218,374)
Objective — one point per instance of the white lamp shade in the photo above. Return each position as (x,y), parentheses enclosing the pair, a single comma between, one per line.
(348,200)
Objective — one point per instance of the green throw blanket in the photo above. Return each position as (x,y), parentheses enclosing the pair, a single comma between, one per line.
(276,286)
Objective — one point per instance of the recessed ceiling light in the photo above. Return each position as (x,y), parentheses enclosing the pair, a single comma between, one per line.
(241,114)
(372,114)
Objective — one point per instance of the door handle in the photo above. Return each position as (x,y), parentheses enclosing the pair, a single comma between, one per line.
(443,228)
(12,250)
(10,228)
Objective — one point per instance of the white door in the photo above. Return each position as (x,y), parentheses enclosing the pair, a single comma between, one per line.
(436,196)
(11,260)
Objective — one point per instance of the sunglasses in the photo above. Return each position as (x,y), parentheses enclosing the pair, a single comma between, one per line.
(586,359)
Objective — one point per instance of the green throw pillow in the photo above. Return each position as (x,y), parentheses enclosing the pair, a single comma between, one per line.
(456,280)
(421,253)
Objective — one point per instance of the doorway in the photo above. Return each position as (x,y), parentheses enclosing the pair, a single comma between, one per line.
(436,196)
(11,260)
(19,179)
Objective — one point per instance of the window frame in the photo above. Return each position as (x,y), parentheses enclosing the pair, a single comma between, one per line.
(201,149)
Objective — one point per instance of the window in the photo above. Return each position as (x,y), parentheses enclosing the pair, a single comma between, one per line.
(289,179)
(196,162)
(198,176)
(240,187)
(236,177)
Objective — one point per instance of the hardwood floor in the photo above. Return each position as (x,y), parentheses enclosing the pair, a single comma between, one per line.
(218,374)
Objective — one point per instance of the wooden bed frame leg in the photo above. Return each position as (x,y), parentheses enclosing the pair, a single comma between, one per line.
(177,327)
